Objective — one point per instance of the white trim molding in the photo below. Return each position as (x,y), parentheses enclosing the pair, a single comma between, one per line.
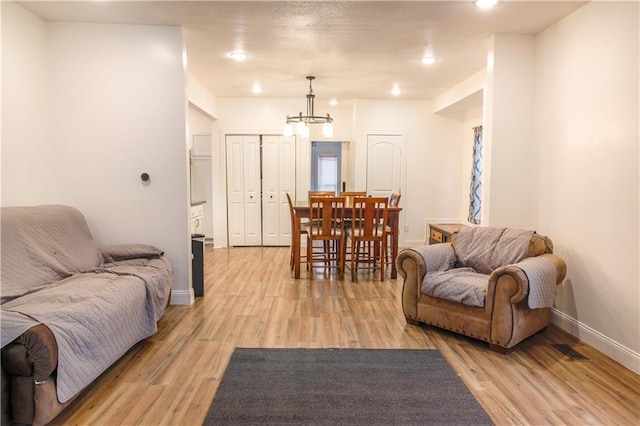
(597,340)
(182,297)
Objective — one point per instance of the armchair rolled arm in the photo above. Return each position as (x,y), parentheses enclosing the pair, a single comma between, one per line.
(516,288)
(34,353)
(412,266)
(415,264)
(561,266)
(436,257)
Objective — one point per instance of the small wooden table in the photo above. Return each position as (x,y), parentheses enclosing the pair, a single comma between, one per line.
(442,232)
(301,211)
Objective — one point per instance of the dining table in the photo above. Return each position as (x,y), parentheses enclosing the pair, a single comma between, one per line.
(301,211)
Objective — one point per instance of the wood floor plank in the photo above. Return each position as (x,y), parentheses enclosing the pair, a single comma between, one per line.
(252,300)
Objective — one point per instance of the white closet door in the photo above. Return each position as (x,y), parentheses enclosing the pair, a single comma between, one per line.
(270,184)
(243,190)
(252,191)
(257,178)
(287,183)
(235,189)
(278,176)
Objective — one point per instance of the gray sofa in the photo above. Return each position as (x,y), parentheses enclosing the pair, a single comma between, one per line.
(69,308)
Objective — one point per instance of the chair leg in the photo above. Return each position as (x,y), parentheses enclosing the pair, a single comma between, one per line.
(382,253)
(291,257)
(310,257)
(341,251)
(355,256)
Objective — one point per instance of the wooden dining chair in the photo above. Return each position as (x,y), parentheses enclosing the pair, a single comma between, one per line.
(295,239)
(322,194)
(326,217)
(394,201)
(368,235)
(350,195)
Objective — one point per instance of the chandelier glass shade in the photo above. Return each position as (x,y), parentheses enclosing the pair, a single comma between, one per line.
(303,121)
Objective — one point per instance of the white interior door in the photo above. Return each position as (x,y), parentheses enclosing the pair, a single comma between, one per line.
(286,183)
(278,176)
(244,190)
(235,190)
(253,192)
(384,164)
(258,174)
(270,199)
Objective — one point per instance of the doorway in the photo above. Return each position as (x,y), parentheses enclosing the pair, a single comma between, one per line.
(326,165)
(385,166)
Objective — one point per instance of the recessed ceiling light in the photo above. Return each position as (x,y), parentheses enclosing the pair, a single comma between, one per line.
(486,4)
(428,60)
(256,88)
(333,102)
(238,56)
(396,90)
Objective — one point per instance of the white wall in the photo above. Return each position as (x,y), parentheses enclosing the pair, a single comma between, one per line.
(586,130)
(201,97)
(433,159)
(27,166)
(509,181)
(115,98)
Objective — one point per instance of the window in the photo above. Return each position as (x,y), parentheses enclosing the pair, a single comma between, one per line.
(327,173)
(326,164)
(475,189)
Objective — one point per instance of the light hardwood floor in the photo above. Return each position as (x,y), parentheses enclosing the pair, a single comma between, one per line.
(252,300)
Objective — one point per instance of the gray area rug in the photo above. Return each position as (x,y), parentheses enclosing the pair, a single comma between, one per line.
(342,387)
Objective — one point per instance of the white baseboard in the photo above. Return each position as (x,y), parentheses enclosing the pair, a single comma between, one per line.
(182,297)
(597,340)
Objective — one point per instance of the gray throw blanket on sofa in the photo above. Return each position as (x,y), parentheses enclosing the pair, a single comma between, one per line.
(96,318)
(54,274)
(542,276)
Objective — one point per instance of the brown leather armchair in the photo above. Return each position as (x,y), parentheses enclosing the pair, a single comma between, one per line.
(487,284)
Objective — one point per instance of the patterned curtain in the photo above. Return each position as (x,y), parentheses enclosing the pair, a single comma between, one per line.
(475,189)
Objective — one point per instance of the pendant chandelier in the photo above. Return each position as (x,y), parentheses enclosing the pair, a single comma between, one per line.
(303,121)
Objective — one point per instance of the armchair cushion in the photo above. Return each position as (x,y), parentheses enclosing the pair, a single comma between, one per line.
(461,285)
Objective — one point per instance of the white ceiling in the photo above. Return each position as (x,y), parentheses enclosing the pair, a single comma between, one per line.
(356,49)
